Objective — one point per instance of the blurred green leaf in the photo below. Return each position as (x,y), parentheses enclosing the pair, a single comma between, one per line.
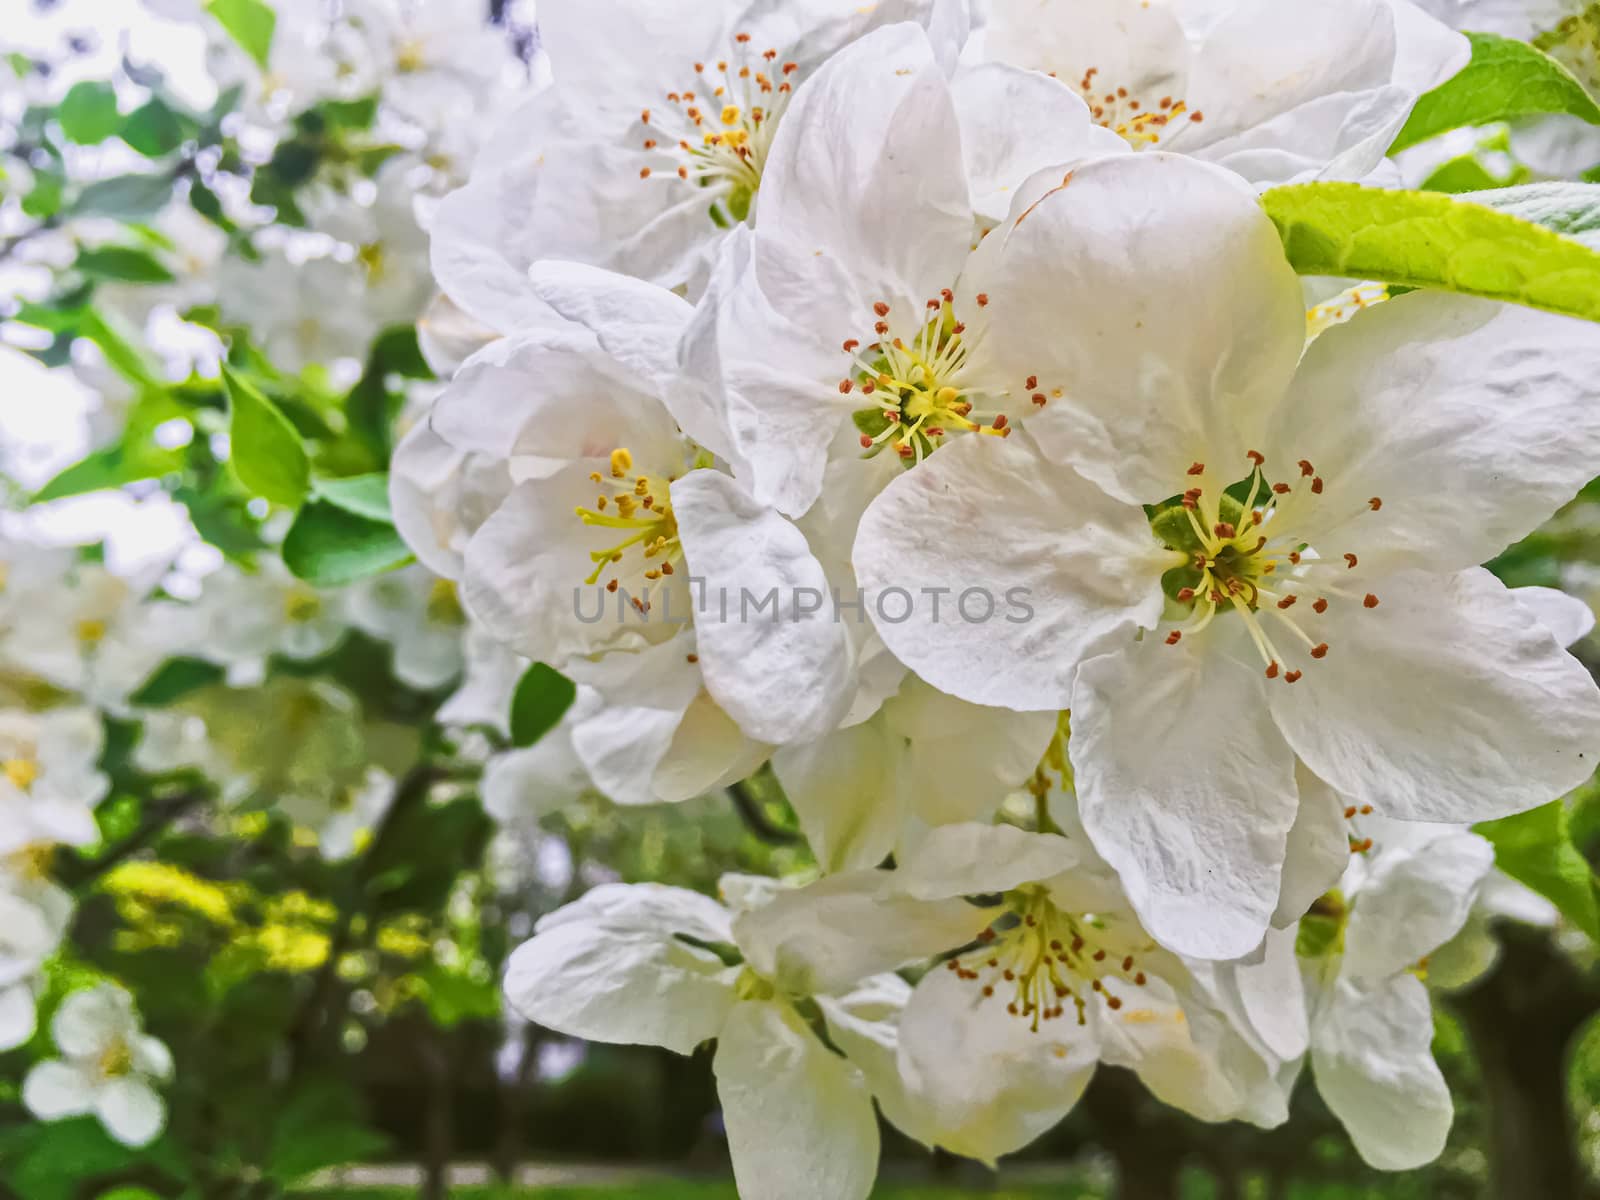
(175,679)
(248,22)
(123,264)
(267,455)
(88,112)
(542,698)
(1467,174)
(319,1127)
(1432,240)
(331,546)
(1535,848)
(154,129)
(1504,80)
(364,495)
(130,197)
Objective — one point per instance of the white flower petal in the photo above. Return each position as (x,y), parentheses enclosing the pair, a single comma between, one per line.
(1318,850)
(1168,319)
(1186,788)
(1446,702)
(992,573)
(1566,617)
(623,744)
(1015,122)
(874,125)
(799,1118)
(708,751)
(971,859)
(842,788)
(131,1110)
(831,934)
(54,1089)
(18,1015)
(1472,422)
(772,653)
(1412,900)
(985,1083)
(620,975)
(1371,1058)
(90,1020)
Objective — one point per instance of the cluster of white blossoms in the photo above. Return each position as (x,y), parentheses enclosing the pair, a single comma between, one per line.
(924,405)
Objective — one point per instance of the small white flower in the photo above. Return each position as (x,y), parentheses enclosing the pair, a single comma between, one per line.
(108,1067)
(49,779)
(1367,478)
(248,617)
(420,616)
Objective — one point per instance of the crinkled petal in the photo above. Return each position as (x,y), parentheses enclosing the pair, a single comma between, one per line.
(992,573)
(1318,849)
(1186,788)
(1447,702)
(971,859)
(773,655)
(1469,420)
(1015,122)
(1165,328)
(985,1083)
(1372,1061)
(1566,617)
(618,973)
(799,1118)
(1412,900)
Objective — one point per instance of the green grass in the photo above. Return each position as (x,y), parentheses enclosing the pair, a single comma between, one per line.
(671,1189)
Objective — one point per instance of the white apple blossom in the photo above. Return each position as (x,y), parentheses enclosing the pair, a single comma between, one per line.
(650,144)
(1363,947)
(50,781)
(656,965)
(299,311)
(108,1067)
(998,1041)
(625,558)
(97,635)
(843,303)
(249,616)
(437,64)
(1319,517)
(420,616)
(1277,91)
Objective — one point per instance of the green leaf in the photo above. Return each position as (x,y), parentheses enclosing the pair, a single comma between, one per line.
(319,1127)
(1468,174)
(267,455)
(154,129)
(126,358)
(1535,848)
(364,495)
(174,679)
(122,263)
(1504,80)
(131,197)
(1432,240)
(542,698)
(45,198)
(330,546)
(248,22)
(136,455)
(1570,209)
(88,112)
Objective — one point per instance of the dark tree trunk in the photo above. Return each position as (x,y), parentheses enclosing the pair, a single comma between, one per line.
(1147,1143)
(513,1106)
(1520,1019)
(438,1133)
